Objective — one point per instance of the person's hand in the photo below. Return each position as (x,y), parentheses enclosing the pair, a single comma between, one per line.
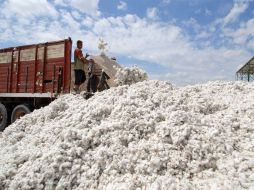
(87,55)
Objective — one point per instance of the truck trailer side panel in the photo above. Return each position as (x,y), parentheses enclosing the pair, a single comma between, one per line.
(38,68)
(31,76)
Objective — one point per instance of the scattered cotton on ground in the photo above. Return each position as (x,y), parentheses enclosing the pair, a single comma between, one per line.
(149,135)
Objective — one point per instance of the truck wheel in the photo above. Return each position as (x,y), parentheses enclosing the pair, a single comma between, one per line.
(3,117)
(19,111)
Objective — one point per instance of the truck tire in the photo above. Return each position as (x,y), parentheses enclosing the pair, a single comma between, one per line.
(3,117)
(19,111)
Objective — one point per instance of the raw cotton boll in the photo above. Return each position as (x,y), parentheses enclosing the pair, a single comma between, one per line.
(180,135)
(121,186)
(155,163)
(163,131)
(164,183)
(56,108)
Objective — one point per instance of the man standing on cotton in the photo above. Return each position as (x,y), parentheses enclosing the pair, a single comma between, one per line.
(79,61)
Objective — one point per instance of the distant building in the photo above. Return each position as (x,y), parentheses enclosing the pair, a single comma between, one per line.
(246,72)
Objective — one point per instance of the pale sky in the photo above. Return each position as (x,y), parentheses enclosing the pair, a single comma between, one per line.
(181,41)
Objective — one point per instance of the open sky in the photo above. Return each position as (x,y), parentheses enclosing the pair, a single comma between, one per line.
(182,41)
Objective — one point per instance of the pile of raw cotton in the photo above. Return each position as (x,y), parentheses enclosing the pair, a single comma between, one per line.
(149,135)
(128,76)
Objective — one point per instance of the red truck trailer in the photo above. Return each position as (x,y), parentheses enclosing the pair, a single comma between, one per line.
(31,76)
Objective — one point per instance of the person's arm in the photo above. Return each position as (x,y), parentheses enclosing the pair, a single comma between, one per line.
(80,56)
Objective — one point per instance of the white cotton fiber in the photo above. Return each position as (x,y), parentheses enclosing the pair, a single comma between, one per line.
(128,76)
(148,135)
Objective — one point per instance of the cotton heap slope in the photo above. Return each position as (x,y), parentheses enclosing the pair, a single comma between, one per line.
(128,76)
(149,135)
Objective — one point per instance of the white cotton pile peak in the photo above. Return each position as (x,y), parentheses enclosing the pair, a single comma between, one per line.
(149,135)
(128,76)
